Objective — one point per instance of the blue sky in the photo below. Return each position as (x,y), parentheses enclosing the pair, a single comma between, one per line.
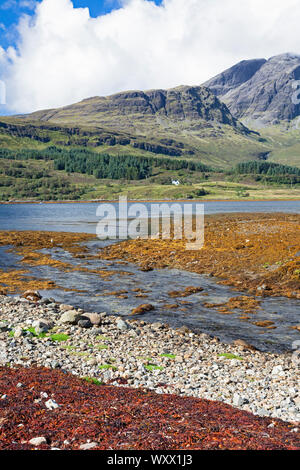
(11,10)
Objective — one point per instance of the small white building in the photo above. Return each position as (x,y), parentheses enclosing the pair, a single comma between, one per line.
(176,182)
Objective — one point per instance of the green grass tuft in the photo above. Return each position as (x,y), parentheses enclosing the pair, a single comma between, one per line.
(101,347)
(108,366)
(92,380)
(152,367)
(33,332)
(60,337)
(231,356)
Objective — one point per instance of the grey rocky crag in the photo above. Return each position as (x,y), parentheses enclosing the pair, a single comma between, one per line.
(260,90)
(235,76)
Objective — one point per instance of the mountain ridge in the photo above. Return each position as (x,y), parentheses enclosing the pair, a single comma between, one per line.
(234,76)
(180,103)
(245,113)
(185,121)
(265,97)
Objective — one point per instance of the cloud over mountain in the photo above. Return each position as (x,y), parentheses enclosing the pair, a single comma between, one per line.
(63,55)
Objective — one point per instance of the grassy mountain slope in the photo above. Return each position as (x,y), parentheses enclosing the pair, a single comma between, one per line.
(285,143)
(187,122)
(222,148)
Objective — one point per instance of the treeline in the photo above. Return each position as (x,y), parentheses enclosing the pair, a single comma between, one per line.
(103,166)
(265,168)
(174,165)
(27,173)
(27,154)
(269,172)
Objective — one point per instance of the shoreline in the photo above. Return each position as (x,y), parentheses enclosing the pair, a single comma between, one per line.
(100,201)
(152,356)
(249,252)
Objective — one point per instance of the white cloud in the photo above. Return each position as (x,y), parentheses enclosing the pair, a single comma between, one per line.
(8,4)
(63,55)
(29,4)
(15,4)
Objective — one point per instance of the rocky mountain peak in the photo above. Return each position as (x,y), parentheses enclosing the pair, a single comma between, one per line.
(265,96)
(234,76)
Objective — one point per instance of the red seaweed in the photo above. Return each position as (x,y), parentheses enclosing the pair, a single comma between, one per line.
(122,418)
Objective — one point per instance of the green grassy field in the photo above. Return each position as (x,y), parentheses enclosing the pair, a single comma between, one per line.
(45,183)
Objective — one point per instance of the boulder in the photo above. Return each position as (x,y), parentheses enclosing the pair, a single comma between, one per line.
(32,295)
(37,441)
(42,326)
(70,316)
(94,318)
(18,332)
(242,344)
(88,446)
(51,405)
(238,400)
(84,323)
(122,325)
(65,308)
(3,326)
(278,370)
(183,330)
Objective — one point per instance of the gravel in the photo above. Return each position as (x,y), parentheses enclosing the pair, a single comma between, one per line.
(150,356)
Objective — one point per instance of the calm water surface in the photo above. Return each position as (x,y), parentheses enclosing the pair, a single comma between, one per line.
(82,217)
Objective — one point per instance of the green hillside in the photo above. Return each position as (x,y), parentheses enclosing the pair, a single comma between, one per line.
(187,122)
(136,143)
(220,146)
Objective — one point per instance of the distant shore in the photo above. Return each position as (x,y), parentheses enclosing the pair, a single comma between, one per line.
(93,201)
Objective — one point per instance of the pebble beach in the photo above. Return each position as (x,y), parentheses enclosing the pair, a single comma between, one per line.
(132,353)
